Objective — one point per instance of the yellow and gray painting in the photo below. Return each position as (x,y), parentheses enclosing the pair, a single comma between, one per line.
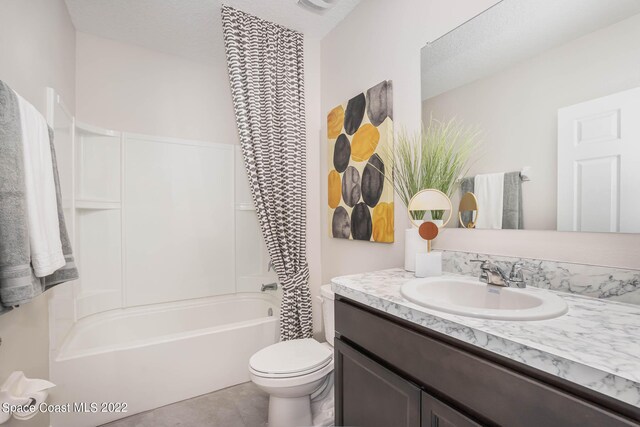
(360,134)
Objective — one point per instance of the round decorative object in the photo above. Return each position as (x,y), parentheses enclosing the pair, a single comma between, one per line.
(361,225)
(341,153)
(364,142)
(335,189)
(373,181)
(382,222)
(378,105)
(351,186)
(341,223)
(429,200)
(428,230)
(354,114)
(335,121)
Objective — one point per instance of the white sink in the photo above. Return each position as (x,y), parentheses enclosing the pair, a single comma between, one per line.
(470,297)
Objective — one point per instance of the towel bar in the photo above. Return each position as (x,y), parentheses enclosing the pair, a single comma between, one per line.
(525,175)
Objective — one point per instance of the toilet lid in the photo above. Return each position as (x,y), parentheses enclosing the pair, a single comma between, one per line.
(289,357)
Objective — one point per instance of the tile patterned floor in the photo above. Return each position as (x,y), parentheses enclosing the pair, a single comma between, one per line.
(243,405)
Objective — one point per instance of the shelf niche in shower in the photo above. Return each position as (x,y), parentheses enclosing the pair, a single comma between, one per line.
(98,213)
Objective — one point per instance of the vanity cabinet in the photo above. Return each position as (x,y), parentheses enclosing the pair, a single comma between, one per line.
(390,372)
(374,395)
(371,395)
(438,414)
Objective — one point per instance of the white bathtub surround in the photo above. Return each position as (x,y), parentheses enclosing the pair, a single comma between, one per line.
(615,284)
(271,127)
(155,355)
(594,345)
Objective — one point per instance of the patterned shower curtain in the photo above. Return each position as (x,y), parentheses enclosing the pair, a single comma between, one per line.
(266,72)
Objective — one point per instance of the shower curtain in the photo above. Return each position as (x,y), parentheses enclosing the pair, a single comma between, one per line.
(266,72)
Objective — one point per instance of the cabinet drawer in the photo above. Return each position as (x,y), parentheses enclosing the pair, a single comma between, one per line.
(490,392)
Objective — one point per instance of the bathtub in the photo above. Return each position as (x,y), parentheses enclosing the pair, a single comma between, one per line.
(142,358)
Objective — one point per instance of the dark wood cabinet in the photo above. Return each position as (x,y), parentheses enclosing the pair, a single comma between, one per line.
(438,414)
(393,373)
(371,395)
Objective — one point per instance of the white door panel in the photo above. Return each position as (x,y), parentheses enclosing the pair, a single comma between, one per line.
(599,164)
(597,194)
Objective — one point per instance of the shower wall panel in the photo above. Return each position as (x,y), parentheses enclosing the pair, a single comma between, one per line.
(178,220)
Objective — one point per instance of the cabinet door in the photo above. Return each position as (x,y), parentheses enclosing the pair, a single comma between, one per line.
(369,395)
(437,414)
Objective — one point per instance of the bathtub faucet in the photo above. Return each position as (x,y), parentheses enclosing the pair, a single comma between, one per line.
(269,287)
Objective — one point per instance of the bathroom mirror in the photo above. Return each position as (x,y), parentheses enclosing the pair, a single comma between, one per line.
(554,88)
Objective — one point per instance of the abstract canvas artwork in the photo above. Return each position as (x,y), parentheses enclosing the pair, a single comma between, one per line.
(360,134)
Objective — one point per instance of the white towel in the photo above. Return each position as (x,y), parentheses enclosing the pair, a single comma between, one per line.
(489,190)
(40,190)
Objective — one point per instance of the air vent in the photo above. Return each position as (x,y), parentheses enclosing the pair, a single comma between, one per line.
(317,6)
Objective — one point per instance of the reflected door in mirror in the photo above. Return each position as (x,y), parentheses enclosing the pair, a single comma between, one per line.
(599,164)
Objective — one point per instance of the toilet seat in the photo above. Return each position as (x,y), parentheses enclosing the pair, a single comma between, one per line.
(290,359)
(288,375)
(277,385)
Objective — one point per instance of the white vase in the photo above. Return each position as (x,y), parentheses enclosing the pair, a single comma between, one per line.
(413,244)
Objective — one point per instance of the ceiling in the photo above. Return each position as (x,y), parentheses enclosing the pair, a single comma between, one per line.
(510,32)
(192,28)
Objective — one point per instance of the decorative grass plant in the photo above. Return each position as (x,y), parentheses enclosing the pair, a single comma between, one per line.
(434,157)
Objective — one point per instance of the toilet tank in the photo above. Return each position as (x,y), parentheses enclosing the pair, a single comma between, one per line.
(327,296)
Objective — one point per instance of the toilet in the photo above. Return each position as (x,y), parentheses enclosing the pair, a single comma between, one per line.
(296,372)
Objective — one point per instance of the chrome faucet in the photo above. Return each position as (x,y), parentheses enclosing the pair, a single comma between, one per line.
(492,274)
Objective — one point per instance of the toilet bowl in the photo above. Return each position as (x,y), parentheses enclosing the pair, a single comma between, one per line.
(292,371)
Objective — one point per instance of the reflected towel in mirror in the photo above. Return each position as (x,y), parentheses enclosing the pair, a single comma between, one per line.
(512,212)
(489,189)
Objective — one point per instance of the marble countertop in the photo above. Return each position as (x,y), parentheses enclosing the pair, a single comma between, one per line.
(596,344)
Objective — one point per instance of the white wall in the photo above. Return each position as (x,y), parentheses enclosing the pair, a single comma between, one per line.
(382,40)
(130,88)
(314,201)
(527,136)
(37,46)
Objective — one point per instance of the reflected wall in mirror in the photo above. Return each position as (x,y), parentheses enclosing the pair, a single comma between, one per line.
(554,88)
